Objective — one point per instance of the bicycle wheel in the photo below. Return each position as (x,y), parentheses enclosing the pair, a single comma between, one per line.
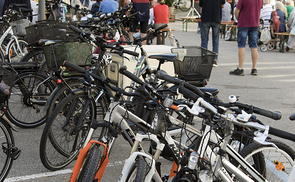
(60,144)
(15,54)
(90,165)
(60,93)
(138,170)
(185,5)
(7,141)
(29,94)
(274,164)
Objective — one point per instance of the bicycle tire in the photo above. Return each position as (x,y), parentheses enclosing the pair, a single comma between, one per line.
(58,146)
(138,170)
(188,5)
(60,93)
(14,54)
(26,109)
(268,156)
(2,58)
(6,137)
(90,165)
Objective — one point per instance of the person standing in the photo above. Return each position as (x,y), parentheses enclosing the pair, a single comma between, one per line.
(289,8)
(226,12)
(247,13)
(265,12)
(143,7)
(211,18)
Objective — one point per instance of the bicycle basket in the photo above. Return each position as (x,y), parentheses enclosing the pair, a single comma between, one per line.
(6,81)
(75,52)
(19,27)
(193,64)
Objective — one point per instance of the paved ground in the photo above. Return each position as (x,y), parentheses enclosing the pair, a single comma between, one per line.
(272,89)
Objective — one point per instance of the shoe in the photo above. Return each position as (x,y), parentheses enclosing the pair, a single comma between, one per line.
(287,48)
(215,63)
(237,72)
(254,72)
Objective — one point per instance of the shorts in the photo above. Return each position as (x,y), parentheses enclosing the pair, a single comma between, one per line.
(251,33)
(143,26)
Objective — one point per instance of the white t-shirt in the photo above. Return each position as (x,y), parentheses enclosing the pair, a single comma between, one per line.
(265,14)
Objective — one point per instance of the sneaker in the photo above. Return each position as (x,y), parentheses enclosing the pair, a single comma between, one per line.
(254,72)
(215,63)
(237,72)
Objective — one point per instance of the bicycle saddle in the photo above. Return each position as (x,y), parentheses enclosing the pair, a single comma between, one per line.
(167,56)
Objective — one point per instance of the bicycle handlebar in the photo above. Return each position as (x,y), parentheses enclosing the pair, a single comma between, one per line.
(282,134)
(82,70)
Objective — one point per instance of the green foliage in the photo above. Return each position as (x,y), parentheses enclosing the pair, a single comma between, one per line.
(169,3)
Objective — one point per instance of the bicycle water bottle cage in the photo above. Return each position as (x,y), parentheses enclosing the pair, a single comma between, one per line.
(10,150)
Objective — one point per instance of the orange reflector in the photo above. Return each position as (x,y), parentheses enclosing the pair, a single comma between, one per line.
(280,166)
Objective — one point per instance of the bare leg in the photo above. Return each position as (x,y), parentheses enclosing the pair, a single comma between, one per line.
(143,35)
(131,35)
(241,57)
(254,55)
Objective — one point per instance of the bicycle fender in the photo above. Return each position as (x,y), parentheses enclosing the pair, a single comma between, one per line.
(9,123)
(13,38)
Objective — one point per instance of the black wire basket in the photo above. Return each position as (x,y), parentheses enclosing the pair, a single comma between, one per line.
(193,64)
(6,81)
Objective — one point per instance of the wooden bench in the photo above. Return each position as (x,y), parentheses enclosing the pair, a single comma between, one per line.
(163,33)
(283,38)
(185,21)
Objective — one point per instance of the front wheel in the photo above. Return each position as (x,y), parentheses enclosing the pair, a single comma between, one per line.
(138,171)
(185,5)
(7,141)
(90,165)
(275,164)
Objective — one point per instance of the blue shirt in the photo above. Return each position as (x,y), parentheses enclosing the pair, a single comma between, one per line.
(95,8)
(108,6)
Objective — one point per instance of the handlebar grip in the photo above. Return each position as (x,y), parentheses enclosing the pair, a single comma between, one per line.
(123,70)
(274,115)
(282,134)
(164,76)
(74,67)
(188,94)
(136,54)
(161,27)
(75,29)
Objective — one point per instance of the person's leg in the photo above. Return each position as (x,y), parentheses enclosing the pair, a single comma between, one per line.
(159,37)
(241,39)
(204,34)
(132,29)
(143,30)
(290,43)
(253,39)
(215,37)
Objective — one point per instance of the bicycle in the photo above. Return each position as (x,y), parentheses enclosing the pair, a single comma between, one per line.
(119,112)
(9,151)
(183,5)
(13,45)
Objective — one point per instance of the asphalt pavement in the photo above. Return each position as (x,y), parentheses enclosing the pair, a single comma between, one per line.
(272,89)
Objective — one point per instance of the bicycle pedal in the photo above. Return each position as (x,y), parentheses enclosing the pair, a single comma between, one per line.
(11,151)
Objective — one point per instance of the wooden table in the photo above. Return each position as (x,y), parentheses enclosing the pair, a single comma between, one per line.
(283,38)
(223,27)
(185,21)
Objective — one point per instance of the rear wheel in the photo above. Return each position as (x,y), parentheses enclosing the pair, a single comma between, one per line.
(29,94)
(15,54)
(185,5)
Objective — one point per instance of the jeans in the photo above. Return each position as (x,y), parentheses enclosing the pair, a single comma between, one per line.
(251,33)
(215,35)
